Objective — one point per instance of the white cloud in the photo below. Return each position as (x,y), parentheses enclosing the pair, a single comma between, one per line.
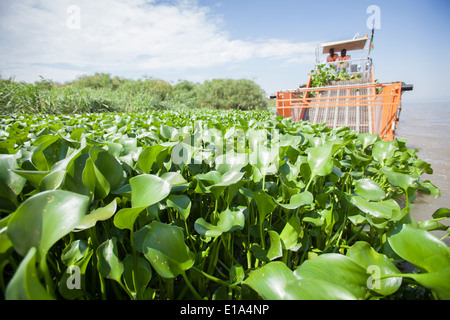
(134,36)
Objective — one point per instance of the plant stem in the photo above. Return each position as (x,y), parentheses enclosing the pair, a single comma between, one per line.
(48,278)
(189,284)
(212,278)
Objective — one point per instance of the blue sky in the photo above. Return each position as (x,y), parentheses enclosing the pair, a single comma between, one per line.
(270,42)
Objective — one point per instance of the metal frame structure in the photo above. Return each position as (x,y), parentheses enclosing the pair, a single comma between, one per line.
(359,104)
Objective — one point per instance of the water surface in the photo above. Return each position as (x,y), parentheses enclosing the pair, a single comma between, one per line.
(426,127)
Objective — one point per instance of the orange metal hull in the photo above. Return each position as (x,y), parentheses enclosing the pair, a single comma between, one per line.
(368,107)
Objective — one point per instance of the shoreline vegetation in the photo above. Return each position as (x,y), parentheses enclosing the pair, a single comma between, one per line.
(103,93)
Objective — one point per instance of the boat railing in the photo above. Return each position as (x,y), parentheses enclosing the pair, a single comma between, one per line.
(362,66)
(365,107)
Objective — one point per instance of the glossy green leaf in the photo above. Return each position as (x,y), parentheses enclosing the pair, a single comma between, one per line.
(346,279)
(77,259)
(45,218)
(320,161)
(163,245)
(147,189)
(108,263)
(298,200)
(229,220)
(363,254)
(265,204)
(95,180)
(402,180)
(11,184)
(369,189)
(435,281)
(126,217)
(137,274)
(367,139)
(442,213)
(237,273)
(291,233)
(270,280)
(419,247)
(149,156)
(276,246)
(35,177)
(108,166)
(181,203)
(25,284)
(379,211)
(231,161)
(383,150)
(99,214)
(53,180)
(74,252)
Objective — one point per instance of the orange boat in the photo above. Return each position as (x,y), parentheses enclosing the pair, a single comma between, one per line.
(359,102)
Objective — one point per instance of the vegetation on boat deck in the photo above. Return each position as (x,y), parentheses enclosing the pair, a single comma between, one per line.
(325,74)
(210,204)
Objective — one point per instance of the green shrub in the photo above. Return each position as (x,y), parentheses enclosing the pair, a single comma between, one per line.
(231,94)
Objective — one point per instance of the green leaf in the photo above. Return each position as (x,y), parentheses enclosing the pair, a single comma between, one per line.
(67,287)
(237,273)
(291,233)
(275,250)
(163,245)
(367,139)
(419,247)
(231,161)
(339,278)
(107,165)
(383,150)
(379,212)
(99,214)
(181,203)
(74,252)
(95,180)
(320,161)
(138,268)
(108,263)
(53,180)
(125,218)
(435,281)
(270,280)
(363,254)
(34,177)
(149,156)
(441,213)
(11,184)
(147,189)
(369,189)
(45,218)
(265,204)
(402,180)
(276,247)
(229,220)
(25,284)
(227,180)
(298,200)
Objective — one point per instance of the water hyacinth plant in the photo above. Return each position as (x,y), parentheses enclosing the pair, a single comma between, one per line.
(202,204)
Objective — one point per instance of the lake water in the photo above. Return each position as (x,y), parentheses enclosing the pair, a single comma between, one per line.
(426,127)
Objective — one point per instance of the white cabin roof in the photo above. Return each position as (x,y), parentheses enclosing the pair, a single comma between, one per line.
(349,45)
